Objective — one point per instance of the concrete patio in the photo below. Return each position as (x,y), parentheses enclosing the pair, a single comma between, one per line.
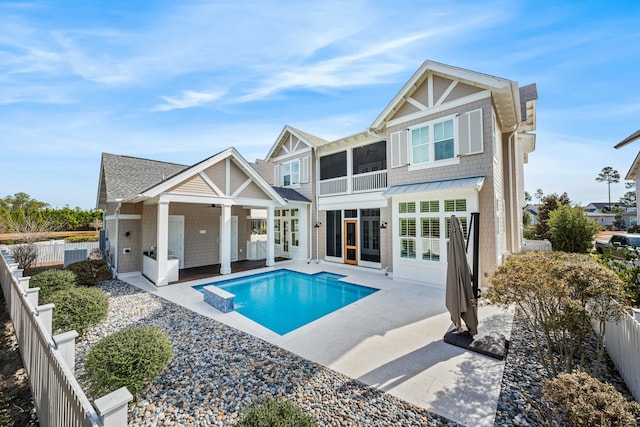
(391,340)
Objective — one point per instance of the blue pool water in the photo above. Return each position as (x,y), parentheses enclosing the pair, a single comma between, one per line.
(284,300)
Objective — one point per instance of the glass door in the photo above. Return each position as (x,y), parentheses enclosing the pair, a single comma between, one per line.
(351,241)
(285,238)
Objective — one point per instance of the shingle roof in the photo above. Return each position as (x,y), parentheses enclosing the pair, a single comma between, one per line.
(311,138)
(291,194)
(125,175)
(527,93)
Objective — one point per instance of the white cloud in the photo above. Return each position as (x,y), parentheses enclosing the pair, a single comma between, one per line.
(188,99)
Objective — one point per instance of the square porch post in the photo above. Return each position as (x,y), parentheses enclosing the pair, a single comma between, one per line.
(270,237)
(225,240)
(162,248)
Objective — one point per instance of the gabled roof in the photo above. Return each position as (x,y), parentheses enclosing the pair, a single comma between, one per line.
(307,138)
(232,153)
(291,195)
(634,170)
(505,92)
(121,176)
(628,140)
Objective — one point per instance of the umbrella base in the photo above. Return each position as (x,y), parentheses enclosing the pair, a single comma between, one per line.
(490,344)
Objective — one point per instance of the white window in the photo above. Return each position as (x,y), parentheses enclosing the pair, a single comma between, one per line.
(433,142)
(291,173)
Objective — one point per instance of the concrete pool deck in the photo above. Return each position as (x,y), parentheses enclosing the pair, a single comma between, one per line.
(391,340)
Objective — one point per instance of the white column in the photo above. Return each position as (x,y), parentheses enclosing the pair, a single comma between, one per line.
(162,248)
(270,237)
(225,240)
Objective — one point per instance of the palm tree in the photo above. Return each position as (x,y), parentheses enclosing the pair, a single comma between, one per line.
(610,176)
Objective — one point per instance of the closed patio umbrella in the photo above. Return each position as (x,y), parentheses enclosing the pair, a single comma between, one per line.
(459,294)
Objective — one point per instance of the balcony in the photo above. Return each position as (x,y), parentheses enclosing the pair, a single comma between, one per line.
(360,183)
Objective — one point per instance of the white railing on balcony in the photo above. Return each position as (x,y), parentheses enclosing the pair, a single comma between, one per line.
(370,181)
(333,186)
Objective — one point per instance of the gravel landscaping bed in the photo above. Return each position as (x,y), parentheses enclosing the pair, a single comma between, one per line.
(217,371)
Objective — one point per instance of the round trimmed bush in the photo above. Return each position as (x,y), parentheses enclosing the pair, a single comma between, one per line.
(132,357)
(276,412)
(90,271)
(78,308)
(50,281)
(579,399)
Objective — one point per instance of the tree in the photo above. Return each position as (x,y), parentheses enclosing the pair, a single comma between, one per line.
(618,222)
(550,203)
(30,229)
(610,176)
(539,195)
(527,197)
(629,199)
(570,229)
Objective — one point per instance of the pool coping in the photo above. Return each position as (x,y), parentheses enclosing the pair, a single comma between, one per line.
(391,340)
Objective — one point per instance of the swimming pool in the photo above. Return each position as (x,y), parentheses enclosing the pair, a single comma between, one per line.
(284,300)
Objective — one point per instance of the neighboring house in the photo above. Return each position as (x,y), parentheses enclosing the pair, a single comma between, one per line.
(600,213)
(452,141)
(634,170)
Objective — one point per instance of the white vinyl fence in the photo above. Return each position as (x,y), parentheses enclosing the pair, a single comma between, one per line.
(52,252)
(622,341)
(50,360)
(536,245)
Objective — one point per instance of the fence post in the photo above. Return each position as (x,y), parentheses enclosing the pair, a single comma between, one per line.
(24,282)
(112,408)
(66,343)
(45,313)
(32,295)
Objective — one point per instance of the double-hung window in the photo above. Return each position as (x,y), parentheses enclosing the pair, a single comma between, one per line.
(433,142)
(291,173)
(407,230)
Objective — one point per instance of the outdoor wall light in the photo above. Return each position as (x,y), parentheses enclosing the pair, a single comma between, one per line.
(383,225)
(127,233)
(317,224)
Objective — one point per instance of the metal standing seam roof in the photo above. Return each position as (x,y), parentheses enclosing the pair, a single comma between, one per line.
(291,195)
(444,185)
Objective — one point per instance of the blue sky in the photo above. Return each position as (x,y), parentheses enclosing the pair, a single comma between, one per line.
(180,81)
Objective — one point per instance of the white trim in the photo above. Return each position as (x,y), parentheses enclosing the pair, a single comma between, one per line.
(453,104)
(122,216)
(447,92)
(436,164)
(347,201)
(429,89)
(227,178)
(242,187)
(417,104)
(292,154)
(211,184)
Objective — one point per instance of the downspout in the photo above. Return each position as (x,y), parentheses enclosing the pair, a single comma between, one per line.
(317,198)
(117,241)
(510,141)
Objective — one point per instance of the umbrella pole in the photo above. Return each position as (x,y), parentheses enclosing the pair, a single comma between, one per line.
(475,225)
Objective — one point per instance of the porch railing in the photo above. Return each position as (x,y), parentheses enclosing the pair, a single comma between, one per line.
(363,182)
(50,360)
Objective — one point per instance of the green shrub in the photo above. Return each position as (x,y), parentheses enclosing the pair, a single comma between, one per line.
(530,233)
(132,357)
(76,239)
(50,281)
(90,271)
(276,412)
(553,291)
(634,229)
(78,308)
(571,230)
(580,400)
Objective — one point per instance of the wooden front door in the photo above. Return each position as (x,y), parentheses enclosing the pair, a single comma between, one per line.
(351,241)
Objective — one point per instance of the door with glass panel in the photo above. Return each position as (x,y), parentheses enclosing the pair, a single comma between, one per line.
(351,241)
